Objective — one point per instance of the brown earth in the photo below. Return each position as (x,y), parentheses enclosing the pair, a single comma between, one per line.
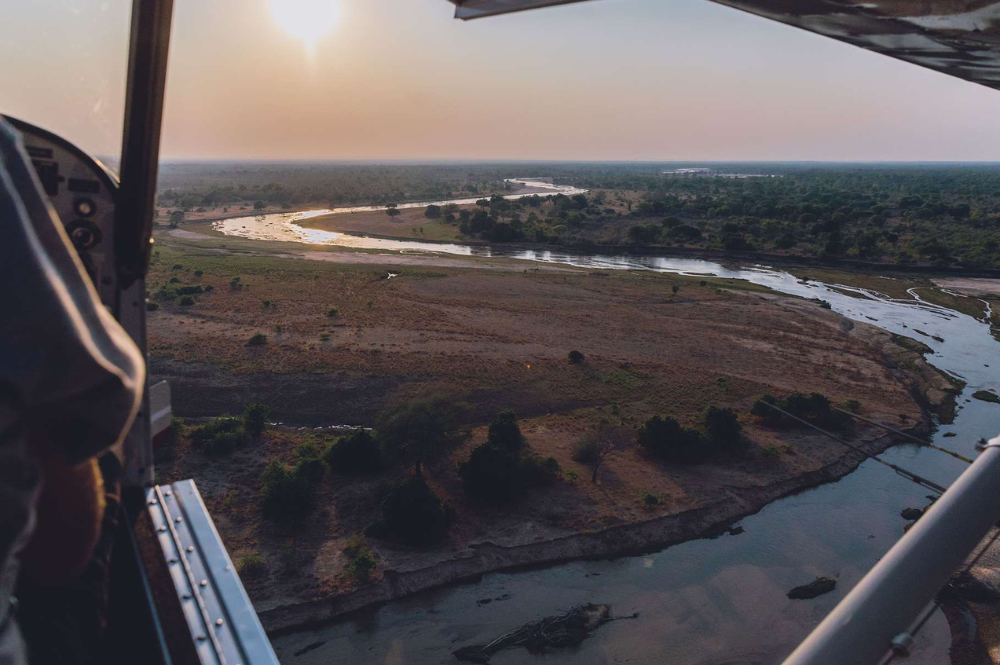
(498,339)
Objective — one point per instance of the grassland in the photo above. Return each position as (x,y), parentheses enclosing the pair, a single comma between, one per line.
(496,338)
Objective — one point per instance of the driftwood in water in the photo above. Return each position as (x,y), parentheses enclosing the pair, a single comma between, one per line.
(562,630)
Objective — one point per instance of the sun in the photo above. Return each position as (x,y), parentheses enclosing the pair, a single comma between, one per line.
(307,20)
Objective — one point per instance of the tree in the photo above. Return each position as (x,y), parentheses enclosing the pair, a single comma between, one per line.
(505,433)
(259,205)
(666,439)
(722,427)
(596,447)
(576,357)
(432,212)
(421,430)
(355,454)
(255,418)
(176,217)
(392,211)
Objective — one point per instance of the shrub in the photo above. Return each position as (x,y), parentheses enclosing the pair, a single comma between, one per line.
(331,312)
(505,433)
(152,306)
(576,357)
(587,451)
(189,290)
(667,440)
(539,471)
(288,494)
(421,430)
(259,339)
(813,408)
(177,266)
(252,565)
(219,436)
(209,288)
(650,500)
(852,405)
(311,469)
(491,474)
(362,565)
(187,301)
(175,280)
(722,427)
(199,273)
(412,513)
(255,418)
(355,454)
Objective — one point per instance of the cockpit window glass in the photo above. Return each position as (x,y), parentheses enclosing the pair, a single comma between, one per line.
(64,69)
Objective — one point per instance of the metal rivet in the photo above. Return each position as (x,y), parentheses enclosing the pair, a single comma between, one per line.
(190,548)
(178,519)
(218,622)
(229,567)
(200,638)
(203,583)
(168,493)
(162,529)
(172,560)
(185,596)
(153,502)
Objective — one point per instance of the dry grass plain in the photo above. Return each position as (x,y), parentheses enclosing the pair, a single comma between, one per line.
(495,339)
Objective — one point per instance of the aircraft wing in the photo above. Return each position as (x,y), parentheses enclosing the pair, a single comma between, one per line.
(957,37)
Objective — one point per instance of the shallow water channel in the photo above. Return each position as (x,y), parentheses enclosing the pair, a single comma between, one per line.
(705,602)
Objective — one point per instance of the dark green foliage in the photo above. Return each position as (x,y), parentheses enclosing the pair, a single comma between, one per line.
(432,212)
(189,290)
(289,494)
(852,405)
(354,454)
(575,357)
(421,430)
(362,565)
(208,288)
(814,409)
(332,312)
(410,512)
(650,500)
(177,266)
(175,280)
(505,433)
(667,440)
(502,468)
(187,301)
(722,427)
(259,339)
(219,436)
(199,273)
(492,474)
(255,418)
(152,306)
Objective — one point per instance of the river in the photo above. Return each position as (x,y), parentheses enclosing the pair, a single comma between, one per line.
(705,602)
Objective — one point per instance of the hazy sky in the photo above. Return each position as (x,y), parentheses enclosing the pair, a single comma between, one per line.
(400,79)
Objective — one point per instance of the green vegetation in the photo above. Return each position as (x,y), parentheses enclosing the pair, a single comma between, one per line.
(255,418)
(410,512)
(666,439)
(289,494)
(260,339)
(357,453)
(814,409)
(503,468)
(576,357)
(422,430)
(251,565)
(220,436)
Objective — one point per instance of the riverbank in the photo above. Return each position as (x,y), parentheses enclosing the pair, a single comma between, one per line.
(632,539)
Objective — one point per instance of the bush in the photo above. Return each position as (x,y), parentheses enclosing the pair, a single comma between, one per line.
(199,273)
(667,440)
(355,454)
(289,494)
(412,513)
(331,312)
(362,565)
(539,471)
(505,433)
(491,474)
(255,418)
(152,306)
(187,301)
(852,405)
(252,565)
(813,408)
(209,288)
(175,280)
(177,266)
(722,427)
(587,451)
(189,290)
(576,357)
(650,500)
(259,339)
(220,436)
